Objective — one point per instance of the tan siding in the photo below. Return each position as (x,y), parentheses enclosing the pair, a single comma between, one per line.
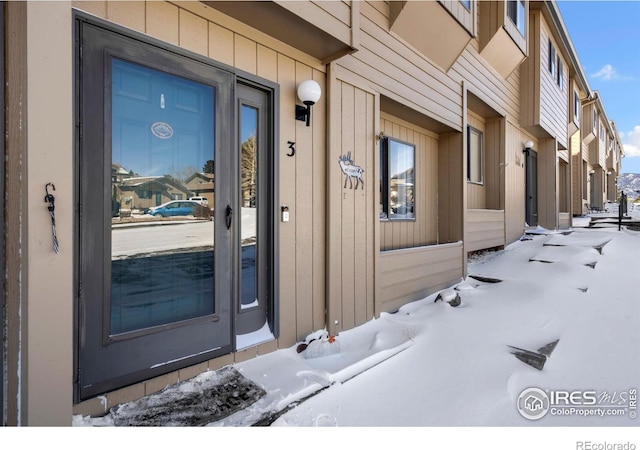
(484,229)
(422,231)
(576,174)
(495,139)
(398,71)
(547,183)
(461,14)
(130,14)
(304,217)
(476,193)
(289,332)
(245,54)
(515,182)
(163,22)
(554,104)
(412,274)
(350,295)
(194,33)
(530,77)
(499,93)
(221,45)
(339,10)
(97,8)
(450,191)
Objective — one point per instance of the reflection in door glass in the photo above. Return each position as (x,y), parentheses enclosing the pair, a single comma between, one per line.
(162,155)
(249,200)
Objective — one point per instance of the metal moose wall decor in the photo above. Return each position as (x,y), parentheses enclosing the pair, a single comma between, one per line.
(351,171)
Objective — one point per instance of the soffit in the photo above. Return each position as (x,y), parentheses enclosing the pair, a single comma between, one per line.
(280,23)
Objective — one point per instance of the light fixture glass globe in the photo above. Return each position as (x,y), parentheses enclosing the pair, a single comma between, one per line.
(309,92)
(528,144)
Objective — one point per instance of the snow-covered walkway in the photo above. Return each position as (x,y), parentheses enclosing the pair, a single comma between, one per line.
(434,365)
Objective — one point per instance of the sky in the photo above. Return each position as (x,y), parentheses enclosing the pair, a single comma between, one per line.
(606,36)
(431,368)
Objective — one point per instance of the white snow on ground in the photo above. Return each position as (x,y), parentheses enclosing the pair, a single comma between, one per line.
(434,365)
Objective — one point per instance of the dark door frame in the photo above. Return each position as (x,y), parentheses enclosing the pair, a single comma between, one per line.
(531,187)
(271,191)
(3,328)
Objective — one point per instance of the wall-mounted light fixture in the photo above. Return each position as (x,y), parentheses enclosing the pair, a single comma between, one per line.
(309,92)
(528,146)
(591,172)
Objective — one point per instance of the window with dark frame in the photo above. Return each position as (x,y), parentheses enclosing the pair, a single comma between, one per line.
(397,182)
(552,59)
(475,156)
(576,105)
(560,74)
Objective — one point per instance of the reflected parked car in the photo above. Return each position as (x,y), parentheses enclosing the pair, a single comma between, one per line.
(180,208)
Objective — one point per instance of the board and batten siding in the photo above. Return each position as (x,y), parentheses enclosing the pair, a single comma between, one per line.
(424,230)
(515,182)
(351,210)
(203,30)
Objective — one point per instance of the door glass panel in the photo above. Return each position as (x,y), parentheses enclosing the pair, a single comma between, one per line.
(249,204)
(162,268)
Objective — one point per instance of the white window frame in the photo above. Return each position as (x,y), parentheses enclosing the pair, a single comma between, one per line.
(520,15)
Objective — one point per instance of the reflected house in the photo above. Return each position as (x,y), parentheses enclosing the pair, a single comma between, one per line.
(201,184)
(146,192)
(401,193)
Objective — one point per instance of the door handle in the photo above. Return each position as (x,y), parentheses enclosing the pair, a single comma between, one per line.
(229,216)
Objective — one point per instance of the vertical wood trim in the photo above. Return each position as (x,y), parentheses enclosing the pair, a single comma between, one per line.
(355,24)
(319,204)
(348,210)
(303,160)
(286,79)
(373,226)
(362,212)
(334,209)
(17,248)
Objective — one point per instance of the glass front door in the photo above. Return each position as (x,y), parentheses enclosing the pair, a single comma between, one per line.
(155,274)
(176,198)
